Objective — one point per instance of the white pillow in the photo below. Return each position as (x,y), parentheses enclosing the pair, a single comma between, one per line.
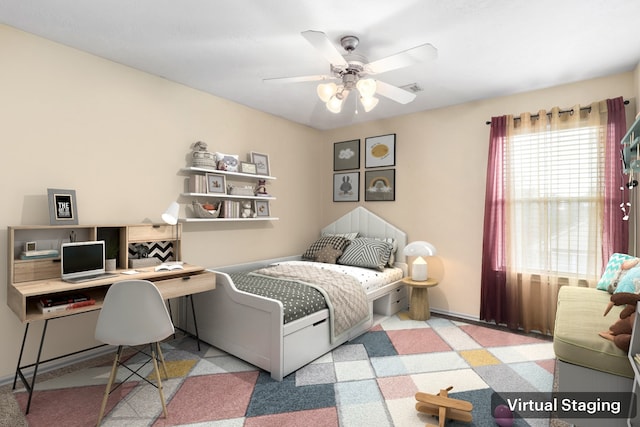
(227,162)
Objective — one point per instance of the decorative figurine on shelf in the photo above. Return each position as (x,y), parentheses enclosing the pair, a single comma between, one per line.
(201,157)
(261,188)
(247,212)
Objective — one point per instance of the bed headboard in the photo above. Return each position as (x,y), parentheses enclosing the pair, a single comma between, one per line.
(368,224)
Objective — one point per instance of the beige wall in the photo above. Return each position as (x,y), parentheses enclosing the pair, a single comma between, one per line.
(119,137)
(440,174)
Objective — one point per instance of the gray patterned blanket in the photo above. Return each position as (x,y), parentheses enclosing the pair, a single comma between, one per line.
(344,295)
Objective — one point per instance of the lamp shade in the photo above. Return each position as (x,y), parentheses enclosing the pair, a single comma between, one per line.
(170,216)
(419,266)
(419,248)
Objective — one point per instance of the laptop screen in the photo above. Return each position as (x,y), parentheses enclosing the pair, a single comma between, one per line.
(80,259)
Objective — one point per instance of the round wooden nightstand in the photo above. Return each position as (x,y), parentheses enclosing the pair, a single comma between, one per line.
(419,303)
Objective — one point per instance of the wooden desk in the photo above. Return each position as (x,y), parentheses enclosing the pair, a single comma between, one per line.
(23,297)
(419,302)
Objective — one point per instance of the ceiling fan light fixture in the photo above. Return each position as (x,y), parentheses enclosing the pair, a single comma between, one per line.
(369,103)
(326,91)
(366,87)
(335,104)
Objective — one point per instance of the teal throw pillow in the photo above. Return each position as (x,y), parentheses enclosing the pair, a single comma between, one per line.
(612,270)
(628,281)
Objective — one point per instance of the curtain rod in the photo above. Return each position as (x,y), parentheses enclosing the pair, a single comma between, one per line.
(626,102)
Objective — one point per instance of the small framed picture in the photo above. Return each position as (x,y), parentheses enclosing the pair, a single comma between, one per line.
(246,167)
(62,207)
(261,161)
(380,185)
(346,155)
(346,187)
(380,151)
(262,208)
(216,184)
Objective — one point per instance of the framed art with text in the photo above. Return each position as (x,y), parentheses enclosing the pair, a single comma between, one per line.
(346,187)
(380,185)
(380,151)
(346,155)
(62,207)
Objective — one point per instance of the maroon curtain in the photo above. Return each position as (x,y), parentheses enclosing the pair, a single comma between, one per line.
(615,236)
(493,298)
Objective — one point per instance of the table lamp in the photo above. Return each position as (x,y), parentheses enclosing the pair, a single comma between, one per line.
(419,249)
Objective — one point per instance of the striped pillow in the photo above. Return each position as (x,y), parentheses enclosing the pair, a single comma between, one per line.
(367,253)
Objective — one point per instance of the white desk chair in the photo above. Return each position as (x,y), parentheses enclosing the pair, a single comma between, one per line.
(133,314)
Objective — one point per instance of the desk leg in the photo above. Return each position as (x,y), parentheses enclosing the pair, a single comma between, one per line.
(24,339)
(31,386)
(419,304)
(193,315)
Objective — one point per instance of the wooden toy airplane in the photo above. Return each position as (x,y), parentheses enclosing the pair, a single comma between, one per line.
(444,407)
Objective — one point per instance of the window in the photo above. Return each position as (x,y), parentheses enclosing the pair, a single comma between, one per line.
(555,178)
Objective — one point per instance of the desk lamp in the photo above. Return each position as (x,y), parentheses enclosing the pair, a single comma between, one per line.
(419,249)
(170,216)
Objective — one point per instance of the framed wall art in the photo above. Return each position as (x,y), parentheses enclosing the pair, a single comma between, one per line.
(380,185)
(216,184)
(63,209)
(380,151)
(262,207)
(346,187)
(261,161)
(246,167)
(346,155)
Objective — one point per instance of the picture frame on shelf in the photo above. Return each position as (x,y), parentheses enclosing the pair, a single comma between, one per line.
(248,167)
(63,208)
(262,208)
(216,183)
(346,187)
(380,151)
(261,161)
(380,185)
(346,155)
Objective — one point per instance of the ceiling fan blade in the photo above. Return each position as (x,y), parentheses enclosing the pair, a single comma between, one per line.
(408,57)
(298,79)
(394,93)
(320,41)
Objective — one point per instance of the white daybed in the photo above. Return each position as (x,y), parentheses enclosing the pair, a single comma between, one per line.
(251,327)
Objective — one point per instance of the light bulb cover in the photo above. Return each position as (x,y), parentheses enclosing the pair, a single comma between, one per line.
(170,216)
(366,87)
(369,103)
(326,91)
(334,104)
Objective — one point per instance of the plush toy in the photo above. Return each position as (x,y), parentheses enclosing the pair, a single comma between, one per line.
(620,331)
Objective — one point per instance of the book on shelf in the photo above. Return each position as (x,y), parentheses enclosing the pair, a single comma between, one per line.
(65,307)
(64,299)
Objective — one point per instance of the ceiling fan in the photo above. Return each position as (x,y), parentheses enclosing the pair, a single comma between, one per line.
(351,70)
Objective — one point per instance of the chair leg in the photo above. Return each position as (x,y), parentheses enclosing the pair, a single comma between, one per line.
(107,390)
(164,365)
(157,371)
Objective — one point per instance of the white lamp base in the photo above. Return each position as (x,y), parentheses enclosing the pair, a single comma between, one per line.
(419,270)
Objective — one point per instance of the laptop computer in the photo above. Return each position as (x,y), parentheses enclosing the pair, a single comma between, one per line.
(83,261)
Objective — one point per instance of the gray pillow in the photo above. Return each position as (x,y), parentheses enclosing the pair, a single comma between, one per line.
(366,252)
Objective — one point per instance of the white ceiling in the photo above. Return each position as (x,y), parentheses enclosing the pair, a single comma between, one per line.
(486,48)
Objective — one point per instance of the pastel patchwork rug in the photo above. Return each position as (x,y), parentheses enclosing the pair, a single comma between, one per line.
(370,381)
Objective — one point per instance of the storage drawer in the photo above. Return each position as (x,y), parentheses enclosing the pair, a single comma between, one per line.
(391,303)
(26,271)
(198,282)
(151,233)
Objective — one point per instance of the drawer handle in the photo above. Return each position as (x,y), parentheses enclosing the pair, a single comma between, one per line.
(186,278)
(320,322)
